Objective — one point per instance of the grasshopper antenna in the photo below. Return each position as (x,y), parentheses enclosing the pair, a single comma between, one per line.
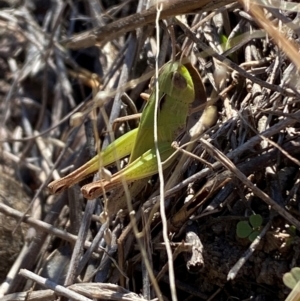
(173,41)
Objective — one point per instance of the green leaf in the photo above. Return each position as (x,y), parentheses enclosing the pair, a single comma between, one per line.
(256,220)
(243,229)
(224,40)
(292,230)
(253,235)
(296,273)
(289,280)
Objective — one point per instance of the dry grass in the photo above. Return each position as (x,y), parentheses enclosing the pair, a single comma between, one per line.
(246,163)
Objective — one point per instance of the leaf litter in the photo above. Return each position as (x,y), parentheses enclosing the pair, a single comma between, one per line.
(245,164)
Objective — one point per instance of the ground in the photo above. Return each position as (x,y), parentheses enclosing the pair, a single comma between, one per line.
(245,164)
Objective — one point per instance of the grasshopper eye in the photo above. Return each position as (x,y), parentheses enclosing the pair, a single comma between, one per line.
(179,81)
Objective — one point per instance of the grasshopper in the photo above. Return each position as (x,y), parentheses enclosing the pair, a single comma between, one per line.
(176,94)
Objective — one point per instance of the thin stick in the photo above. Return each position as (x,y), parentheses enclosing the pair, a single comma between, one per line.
(230,166)
(60,290)
(235,153)
(285,44)
(235,269)
(43,226)
(160,170)
(101,35)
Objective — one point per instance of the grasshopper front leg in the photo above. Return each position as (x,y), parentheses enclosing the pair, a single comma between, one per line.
(118,149)
(117,199)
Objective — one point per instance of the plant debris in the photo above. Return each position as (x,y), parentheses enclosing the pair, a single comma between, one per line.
(69,69)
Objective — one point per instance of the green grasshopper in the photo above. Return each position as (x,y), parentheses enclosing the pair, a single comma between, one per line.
(176,94)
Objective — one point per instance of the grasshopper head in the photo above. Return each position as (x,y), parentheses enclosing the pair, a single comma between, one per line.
(177,82)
